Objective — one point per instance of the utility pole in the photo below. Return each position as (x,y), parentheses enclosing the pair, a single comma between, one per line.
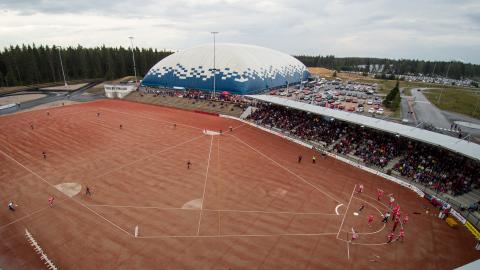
(133,57)
(214,68)
(61,64)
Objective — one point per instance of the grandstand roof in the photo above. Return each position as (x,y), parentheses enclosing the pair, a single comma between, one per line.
(463,147)
(240,69)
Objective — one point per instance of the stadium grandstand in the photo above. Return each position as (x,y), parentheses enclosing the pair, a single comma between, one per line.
(442,165)
(240,69)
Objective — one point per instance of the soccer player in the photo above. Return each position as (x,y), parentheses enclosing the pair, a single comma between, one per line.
(401,235)
(354,235)
(87,191)
(361,208)
(314,159)
(395,223)
(360,188)
(50,201)
(48,113)
(188,164)
(121,127)
(231,128)
(385,217)
(405,219)
(44,155)
(390,237)
(11,206)
(98,114)
(31,126)
(380,194)
(300,158)
(174,125)
(396,211)
(370,220)
(391,200)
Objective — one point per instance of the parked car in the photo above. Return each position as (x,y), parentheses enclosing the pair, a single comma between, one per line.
(379,111)
(370,102)
(371,110)
(359,109)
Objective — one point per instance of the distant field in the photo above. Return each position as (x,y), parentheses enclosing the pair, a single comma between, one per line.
(407,91)
(456,100)
(15,89)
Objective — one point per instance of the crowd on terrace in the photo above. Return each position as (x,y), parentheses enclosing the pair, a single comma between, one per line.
(434,167)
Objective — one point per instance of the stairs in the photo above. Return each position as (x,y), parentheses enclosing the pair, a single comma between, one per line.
(247,112)
(392,163)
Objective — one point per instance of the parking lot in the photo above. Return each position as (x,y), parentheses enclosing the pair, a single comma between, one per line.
(350,96)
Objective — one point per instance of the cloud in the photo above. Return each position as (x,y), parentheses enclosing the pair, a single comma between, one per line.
(423,29)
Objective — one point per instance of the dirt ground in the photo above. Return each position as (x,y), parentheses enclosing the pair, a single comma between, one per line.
(244,203)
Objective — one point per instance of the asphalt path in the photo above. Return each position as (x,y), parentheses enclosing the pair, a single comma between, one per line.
(426,112)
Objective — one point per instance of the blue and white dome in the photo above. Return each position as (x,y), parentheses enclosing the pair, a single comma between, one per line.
(240,69)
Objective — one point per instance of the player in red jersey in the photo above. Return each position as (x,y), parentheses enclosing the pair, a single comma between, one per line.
(360,188)
(401,235)
(370,220)
(380,194)
(405,219)
(50,201)
(390,237)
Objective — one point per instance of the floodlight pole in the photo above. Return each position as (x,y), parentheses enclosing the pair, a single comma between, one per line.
(446,76)
(214,68)
(133,57)
(61,64)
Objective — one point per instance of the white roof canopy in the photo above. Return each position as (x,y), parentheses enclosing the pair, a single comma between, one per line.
(456,145)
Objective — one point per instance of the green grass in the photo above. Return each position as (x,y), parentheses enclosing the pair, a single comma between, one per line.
(407,91)
(456,100)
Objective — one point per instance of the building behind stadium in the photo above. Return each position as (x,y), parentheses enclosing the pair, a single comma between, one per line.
(240,69)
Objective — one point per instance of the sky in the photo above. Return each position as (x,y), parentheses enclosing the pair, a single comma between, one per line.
(421,29)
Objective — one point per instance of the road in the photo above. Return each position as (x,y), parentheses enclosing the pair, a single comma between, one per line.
(405,104)
(426,112)
(55,96)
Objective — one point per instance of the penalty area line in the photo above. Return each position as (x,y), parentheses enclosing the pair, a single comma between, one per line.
(205,187)
(346,211)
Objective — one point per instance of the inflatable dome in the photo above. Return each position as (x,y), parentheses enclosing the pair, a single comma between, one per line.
(240,69)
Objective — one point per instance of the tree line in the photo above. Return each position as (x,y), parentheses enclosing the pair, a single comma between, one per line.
(30,64)
(452,69)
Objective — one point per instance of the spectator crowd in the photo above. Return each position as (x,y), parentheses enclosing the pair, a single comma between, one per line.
(432,166)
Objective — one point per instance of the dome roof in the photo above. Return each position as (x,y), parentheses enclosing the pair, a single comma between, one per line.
(239,68)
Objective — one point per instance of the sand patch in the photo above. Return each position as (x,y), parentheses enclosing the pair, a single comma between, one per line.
(193,204)
(69,189)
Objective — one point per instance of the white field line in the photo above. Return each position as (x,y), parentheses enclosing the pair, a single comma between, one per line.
(235,235)
(288,170)
(148,156)
(348,250)
(336,208)
(384,225)
(79,202)
(346,211)
(29,215)
(153,119)
(204,187)
(212,210)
